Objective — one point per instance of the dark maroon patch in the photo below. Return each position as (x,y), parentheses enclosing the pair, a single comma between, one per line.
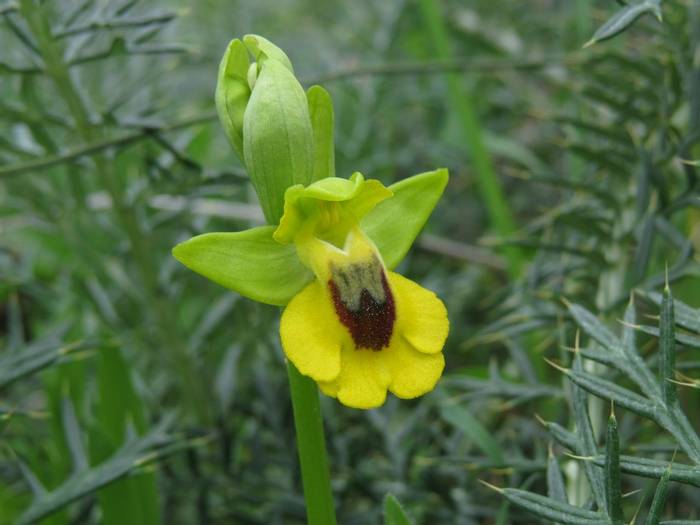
(372,323)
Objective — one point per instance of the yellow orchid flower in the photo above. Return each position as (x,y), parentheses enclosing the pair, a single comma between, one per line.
(357,329)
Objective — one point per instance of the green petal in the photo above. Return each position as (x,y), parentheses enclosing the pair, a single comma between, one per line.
(395,223)
(356,195)
(261,48)
(249,262)
(321,112)
(232,92)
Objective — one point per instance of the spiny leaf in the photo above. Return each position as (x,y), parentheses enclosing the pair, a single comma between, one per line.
(15,365)
(667,349)
(585,438)
(657,504)
(555,481)
(613,392)
(613,491)
(594,328)
(551,509)
(132,455)
(623,19)
(655,469)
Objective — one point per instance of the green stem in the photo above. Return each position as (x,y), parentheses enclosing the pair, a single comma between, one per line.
(311,445)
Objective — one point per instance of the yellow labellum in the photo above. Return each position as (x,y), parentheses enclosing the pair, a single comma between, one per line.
(360,330)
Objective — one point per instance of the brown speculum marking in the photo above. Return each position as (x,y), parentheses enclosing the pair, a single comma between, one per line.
(364,303)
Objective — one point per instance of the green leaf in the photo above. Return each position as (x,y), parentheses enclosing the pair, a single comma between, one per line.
(321,114)
(594,328)
(277,137)
(564,437)
(623,19)
(585,436)
(550,509)
(463,419)
(667,349)
(613,490)
(555,481)
(233,92)
(613,392)
(132,500)
(395,223)
(33,358)
(655,469)
(657,504)
(685,316)
(393,512)
(261,49)
(134,454)
(249,262)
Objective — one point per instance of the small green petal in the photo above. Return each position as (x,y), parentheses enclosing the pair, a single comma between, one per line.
(261,49)
(355,195)
(395,223)
(249,262)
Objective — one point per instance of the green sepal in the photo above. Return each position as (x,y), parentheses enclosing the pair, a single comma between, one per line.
(233,92)
(321,113)
(356,197)
(277,137)
(249,262)
(262,49)
(395,223)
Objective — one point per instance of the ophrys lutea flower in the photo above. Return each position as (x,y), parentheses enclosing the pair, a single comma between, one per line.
(357,328)
(350,323)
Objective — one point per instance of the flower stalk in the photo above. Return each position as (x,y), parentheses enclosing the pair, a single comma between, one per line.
(311,446)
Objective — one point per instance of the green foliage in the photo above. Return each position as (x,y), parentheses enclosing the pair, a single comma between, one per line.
(578,164)
(393,512)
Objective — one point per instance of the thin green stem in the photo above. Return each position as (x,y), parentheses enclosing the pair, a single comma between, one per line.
(311,445)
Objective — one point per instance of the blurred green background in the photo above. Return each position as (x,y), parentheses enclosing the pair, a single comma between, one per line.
(136,392)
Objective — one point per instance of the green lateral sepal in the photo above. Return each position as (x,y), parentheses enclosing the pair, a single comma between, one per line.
(249,262)
(395,223)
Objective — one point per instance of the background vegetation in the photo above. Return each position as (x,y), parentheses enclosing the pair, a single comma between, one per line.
(134,391)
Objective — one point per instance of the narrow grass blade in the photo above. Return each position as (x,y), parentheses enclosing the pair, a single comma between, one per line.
(462,419)
(393,512)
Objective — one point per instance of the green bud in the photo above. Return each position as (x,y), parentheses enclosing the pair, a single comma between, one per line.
(266,116)
(262,49)
(278,144)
